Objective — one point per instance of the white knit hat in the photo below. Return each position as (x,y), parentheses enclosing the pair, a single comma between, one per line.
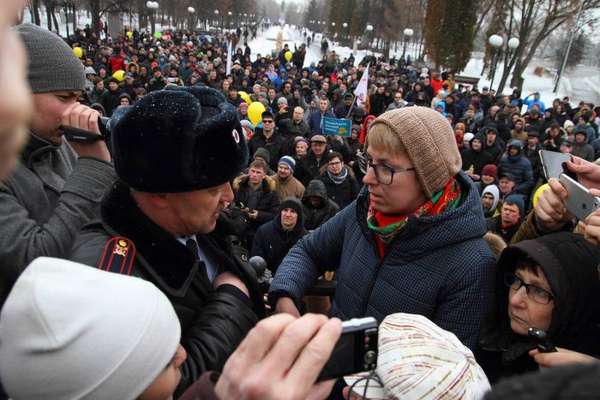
(419,360)
(69,331)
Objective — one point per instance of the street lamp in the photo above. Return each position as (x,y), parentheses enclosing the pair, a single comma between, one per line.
(407,34)
(217,17)
(191,11)
(369,30)
(152,6)
(496,42)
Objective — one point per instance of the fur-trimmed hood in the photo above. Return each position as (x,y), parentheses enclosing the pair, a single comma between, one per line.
(268,184)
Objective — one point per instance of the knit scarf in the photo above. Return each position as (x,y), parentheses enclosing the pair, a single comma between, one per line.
(338,179)
(387,226)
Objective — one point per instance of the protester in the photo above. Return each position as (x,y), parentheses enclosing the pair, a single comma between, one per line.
(274,239)
(310,166)
(318,207)
(409,184)
(490,200)
(57,186)
(255,193)
(533,289)
(286,185)
(508,222)
(162,214)
(516,164)
(270,139)
(341,186)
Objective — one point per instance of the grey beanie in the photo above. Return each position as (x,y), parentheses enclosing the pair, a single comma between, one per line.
(52,65)
(69,331)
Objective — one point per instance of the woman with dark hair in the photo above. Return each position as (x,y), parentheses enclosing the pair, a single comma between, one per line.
(550,283)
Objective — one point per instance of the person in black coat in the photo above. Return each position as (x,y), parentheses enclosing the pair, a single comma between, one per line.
(275,238)
(256,195)
(160,221)
(474,158)
(341,186)
(549,283)
(317,206)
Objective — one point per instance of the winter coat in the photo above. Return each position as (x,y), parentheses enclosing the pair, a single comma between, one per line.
(519,167)
(585,151)
(569,264)
(45,202)
(315,121)
(315,216)
(494,225)
(439,267)
(378,103)
(309,168)
(293,129)
(290,187)
(266,203)
(213,322)
(341,193)
(475,159)
(110,101)
(272,242)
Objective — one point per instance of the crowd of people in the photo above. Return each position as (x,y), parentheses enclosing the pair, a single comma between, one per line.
(124,259)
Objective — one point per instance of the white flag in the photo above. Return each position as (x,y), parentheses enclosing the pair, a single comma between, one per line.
(363,86)
(228,68)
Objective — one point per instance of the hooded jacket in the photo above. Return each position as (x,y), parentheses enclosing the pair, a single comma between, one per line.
(519,167)
(439,267)
(315,216)
(272,242)
(475,159)
(569,264)
(495,192)
(341,193)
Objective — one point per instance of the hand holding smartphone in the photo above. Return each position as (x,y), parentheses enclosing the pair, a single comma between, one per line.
(580,202)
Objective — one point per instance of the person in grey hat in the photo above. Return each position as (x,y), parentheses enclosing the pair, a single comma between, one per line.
(175,152)
(57,186)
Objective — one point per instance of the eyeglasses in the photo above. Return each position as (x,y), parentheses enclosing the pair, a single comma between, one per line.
(534,292)
(267,121)
(383,173)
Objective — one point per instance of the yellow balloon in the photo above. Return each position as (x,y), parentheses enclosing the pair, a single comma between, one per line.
(255,111)
(119,75)
(288,56)
(78,51)
(245,97)
(538,193)
(129,35)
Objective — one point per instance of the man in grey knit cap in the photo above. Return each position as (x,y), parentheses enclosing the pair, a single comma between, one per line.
(57,186)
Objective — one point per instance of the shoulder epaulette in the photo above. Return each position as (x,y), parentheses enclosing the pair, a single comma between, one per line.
(118,256)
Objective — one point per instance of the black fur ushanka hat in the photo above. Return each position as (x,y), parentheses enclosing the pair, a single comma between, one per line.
(179,139)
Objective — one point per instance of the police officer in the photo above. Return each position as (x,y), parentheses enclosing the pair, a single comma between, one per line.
(175,153)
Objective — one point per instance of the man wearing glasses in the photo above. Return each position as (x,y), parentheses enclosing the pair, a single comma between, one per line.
(270,139)
(412,240)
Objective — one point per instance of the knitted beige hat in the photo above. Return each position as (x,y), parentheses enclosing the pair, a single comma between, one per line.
(429,142)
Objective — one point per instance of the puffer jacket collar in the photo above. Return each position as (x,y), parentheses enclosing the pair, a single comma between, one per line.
(419,238)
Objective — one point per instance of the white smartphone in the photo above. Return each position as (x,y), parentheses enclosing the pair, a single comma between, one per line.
(580,202)
(552,163)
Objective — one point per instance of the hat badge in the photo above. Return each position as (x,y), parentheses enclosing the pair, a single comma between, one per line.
(236,135)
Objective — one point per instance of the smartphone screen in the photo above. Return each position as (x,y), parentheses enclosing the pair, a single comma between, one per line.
(552,163)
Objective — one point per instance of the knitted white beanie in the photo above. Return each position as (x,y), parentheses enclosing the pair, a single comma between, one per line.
(69,331)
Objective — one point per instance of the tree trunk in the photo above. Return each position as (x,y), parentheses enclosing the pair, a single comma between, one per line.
(55,21)
(49,15)
(74,10)
(35,11)
(95,11)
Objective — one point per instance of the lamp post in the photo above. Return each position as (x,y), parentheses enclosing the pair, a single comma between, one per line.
(230,18)
(216,16)
(191,11)
(407,35)
(369,33)
(496,42)
(344,32)
(152,6)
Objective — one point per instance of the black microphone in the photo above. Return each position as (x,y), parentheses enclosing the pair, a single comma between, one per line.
(83,136)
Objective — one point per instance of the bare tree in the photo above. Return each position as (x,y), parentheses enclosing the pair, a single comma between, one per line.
(533,21)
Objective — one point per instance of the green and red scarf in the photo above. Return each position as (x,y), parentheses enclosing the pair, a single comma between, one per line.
(387,226)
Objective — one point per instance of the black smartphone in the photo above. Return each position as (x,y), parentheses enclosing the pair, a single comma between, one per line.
(541,339)
(355,351)
(553,163)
